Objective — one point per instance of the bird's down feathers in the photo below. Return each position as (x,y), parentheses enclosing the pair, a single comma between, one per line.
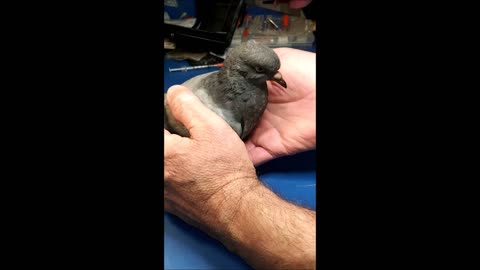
(238,91)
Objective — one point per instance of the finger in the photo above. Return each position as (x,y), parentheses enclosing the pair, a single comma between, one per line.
(189,110)
(167,137)
(249,145)
(259,155)
(171,142)
(297,4)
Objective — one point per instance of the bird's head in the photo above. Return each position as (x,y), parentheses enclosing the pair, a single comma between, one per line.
(256,62)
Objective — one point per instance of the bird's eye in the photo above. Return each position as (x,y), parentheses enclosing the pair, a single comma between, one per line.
(259,69)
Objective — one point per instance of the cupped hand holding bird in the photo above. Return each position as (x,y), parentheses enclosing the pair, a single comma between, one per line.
(209,178)
(238,91)
(288,124)
(251,95)
(210,182)
(200,170)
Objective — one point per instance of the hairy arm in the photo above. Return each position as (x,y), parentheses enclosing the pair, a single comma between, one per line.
(265,230)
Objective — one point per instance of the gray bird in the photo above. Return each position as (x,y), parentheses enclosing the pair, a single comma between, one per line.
(238,91)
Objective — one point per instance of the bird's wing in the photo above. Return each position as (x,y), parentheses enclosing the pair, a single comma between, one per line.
(196,82)
(253,110)
(170,123)
(198,86)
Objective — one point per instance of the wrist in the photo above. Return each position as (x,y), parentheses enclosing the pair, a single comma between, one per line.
(225,204)
(251,213)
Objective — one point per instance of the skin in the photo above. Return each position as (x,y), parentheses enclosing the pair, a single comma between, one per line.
(288,123)
(218,191)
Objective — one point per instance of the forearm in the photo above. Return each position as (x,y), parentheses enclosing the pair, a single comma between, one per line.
(268,232)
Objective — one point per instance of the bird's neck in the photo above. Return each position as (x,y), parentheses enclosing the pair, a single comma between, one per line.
(229,75)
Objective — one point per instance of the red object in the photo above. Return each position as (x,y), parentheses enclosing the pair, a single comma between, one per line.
(245,33)
(285,20)
(220,65)
(247,19)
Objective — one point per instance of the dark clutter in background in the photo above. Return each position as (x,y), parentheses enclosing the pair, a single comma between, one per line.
(201,32)
(209,27)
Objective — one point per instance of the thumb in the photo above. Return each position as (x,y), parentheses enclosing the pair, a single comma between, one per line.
(190,111)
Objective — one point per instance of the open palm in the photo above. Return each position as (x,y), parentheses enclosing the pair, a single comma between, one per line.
(288,123)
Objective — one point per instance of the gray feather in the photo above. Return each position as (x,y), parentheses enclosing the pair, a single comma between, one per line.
(238,92)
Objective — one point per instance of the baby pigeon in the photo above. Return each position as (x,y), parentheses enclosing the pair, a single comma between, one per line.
(238,91)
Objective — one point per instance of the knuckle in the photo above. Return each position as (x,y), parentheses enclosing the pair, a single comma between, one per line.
(181,103)
(184,97)
(179,94)
(169,174)
(177,108)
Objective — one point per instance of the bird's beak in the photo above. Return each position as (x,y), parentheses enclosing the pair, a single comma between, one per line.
(278,78)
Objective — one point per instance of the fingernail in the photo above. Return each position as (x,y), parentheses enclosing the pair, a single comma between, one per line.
(176,88)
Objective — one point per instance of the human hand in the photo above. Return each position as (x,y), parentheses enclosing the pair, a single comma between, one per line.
(288,124)
(211,183)
(207,174)
(297,4)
